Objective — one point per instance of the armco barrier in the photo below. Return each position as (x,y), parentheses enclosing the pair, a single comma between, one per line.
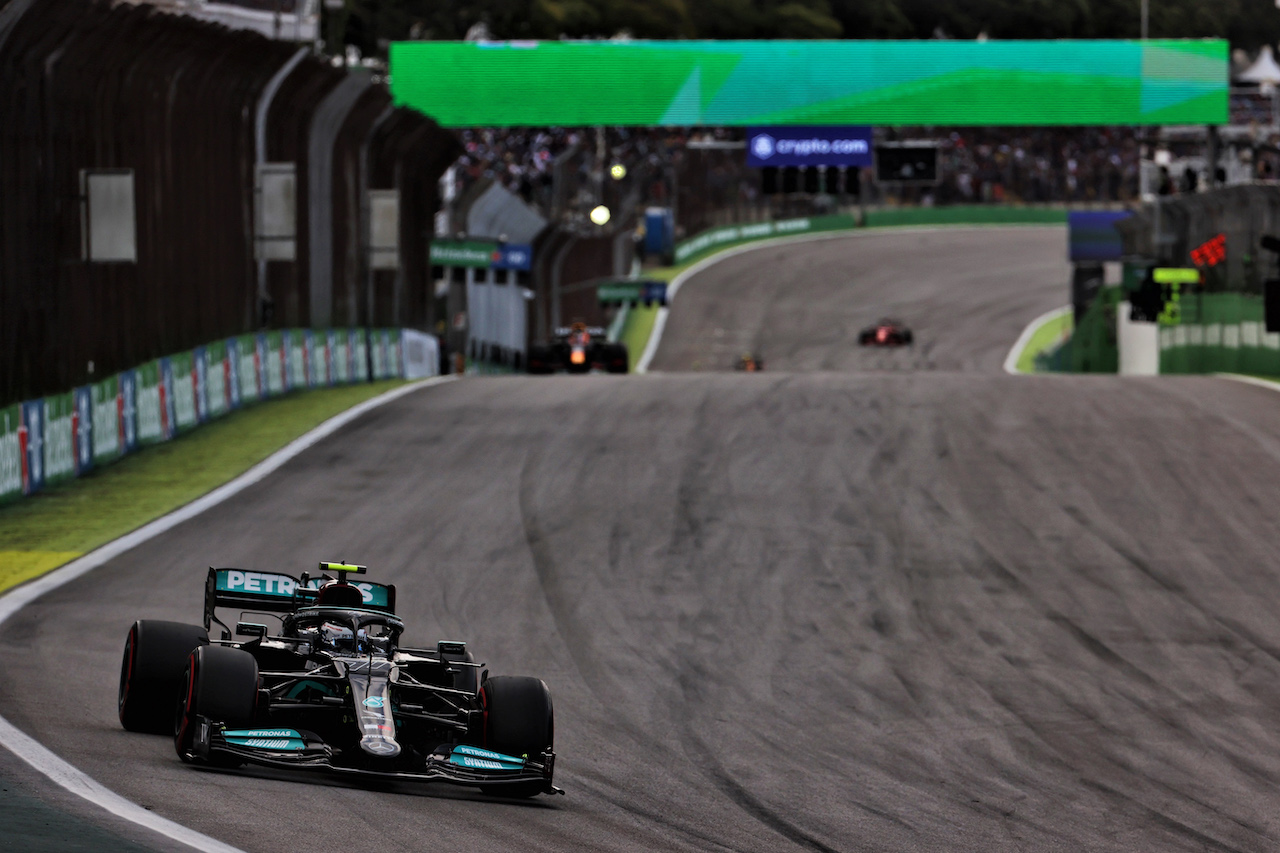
(55,438)
(730,235)
(974,214)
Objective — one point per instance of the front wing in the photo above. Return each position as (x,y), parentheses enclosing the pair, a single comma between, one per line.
(289,749)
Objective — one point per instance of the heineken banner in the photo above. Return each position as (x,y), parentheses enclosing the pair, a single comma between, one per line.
(82,428)
(296,343)
(10,451)
(277,359)
(106,420)
(128,411)
(47,441)
(185,410)
(31,443)
(59,439)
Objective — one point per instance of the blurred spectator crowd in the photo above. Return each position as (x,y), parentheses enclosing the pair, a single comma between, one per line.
(558,170)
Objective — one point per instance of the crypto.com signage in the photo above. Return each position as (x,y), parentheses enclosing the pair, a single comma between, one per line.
(809,146)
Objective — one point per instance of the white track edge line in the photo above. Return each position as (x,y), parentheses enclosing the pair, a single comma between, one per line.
(660,322)
(60,771)
(1250,380)
(1015,353)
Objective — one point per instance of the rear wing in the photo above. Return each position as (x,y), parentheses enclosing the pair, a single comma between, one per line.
(273,592)
(593,331)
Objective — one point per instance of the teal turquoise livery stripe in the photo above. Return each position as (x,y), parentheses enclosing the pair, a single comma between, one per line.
(483,759)
(647,83)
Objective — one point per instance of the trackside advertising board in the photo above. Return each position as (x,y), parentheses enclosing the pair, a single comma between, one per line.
(809,146)
(837,82)
(48,441)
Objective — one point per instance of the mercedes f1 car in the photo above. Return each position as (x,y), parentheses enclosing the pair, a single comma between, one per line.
(331,689)
(886,333)
(578,349)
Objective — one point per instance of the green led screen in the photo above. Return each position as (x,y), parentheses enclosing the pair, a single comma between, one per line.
(647,83)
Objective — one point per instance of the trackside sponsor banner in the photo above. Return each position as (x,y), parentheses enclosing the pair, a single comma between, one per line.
(340,368)
(217,372)
(10,452)
(185,412)
(82,429)
(809,146)
(128,411)
(277,381)
(168,416)
(388,361)
(106,420)
(318,350)
(260,362)
(716,237)
(379,352)
(233,372)
(297,358)
(360,348)
(59,441)
(150,421)
(66,435)
(200,378)
(31,442)
(247,350)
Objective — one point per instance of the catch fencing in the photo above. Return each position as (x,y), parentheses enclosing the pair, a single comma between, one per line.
(61,436)
(182,126)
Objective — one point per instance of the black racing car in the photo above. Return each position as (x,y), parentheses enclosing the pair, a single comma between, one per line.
(578,349)
(886,333)
(332,689)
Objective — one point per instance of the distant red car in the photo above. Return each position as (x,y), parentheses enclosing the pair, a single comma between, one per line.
(886,333)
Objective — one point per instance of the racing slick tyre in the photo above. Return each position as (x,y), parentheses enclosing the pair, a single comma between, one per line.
(616,358)
(538,360)
(221,684)
(155,655)
(519,721)
(907,338)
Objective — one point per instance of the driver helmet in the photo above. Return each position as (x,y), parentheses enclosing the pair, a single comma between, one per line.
(335,635)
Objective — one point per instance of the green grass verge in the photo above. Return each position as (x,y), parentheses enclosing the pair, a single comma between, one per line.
(975,214)
(1048,335)
(41,532)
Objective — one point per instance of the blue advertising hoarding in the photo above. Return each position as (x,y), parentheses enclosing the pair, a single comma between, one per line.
(1092,235)
(809,146)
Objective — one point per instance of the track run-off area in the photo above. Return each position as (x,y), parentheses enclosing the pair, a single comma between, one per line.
(866,600)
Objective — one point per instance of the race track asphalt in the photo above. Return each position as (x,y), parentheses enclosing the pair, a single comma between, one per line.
(862,601)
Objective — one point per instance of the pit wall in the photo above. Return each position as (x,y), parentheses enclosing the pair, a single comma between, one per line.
(56,438)
(1220,333)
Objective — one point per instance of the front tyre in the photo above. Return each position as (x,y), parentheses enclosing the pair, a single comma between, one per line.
(155,655)
(518,721)
(221,683)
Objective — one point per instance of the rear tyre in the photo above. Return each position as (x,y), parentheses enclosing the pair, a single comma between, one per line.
(538,360)
(618,360)
(221,684)
(518,721)
(155,655)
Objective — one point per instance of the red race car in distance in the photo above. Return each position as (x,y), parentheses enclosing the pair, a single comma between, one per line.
(886,333)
